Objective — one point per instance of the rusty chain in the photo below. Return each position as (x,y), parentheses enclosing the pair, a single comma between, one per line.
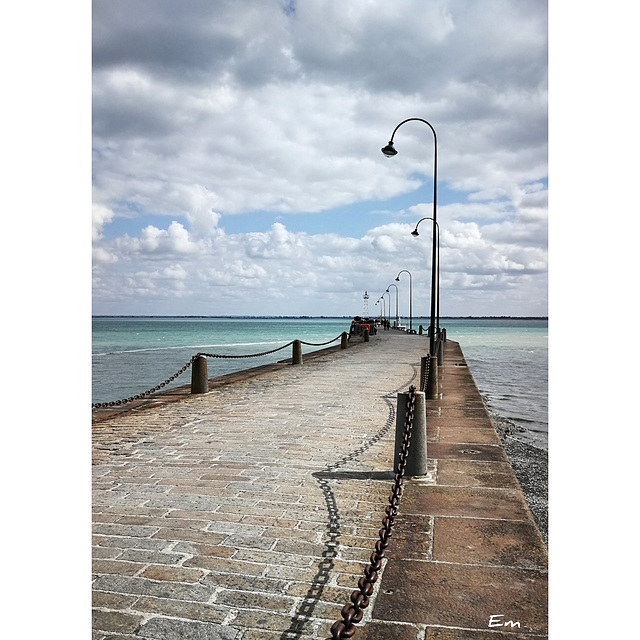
(424,372)
(146,394)
(321,344)
(352,613)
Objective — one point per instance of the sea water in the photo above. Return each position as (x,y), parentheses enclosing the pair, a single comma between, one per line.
(132,355)
(507,357)
(509,362)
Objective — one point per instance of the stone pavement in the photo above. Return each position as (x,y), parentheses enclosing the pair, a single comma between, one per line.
(250,511)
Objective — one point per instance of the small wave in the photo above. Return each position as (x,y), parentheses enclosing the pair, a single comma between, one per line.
(192,346)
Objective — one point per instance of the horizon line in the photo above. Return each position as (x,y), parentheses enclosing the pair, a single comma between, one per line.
(469,317)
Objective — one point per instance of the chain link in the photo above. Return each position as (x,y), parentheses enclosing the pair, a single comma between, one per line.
(352,613)
(146,394)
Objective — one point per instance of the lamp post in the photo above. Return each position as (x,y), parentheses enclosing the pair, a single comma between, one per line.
(383,311)
(390,151)
(396,286)
(415,233)
(410,298)
(389,309)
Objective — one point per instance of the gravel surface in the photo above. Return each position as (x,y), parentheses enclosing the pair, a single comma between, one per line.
(531,466)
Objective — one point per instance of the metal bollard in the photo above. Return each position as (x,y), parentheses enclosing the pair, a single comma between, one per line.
(432,380)
(343,340)
(297,352)
(199,378)
(365,335)
(420,330)
(440,351)
(417,459)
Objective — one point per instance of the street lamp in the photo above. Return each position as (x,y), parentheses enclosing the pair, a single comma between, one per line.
(389,310)
(415,233)
(390,151)
(383,308)
(410,298)
(396,286)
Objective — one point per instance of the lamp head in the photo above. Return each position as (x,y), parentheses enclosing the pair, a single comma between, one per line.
(398,279)
(415,232)
(389,150)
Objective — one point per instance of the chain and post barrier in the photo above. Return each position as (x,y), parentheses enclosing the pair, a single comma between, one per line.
(353,612)
(199,379)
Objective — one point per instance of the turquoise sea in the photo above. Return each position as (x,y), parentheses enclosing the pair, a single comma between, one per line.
(508,357)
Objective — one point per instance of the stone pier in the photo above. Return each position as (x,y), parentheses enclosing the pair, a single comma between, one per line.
(250,511)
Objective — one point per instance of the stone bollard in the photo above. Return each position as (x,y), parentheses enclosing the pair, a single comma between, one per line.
(297,352)
(440,351)
(343,340)
(417,459)
(199,378)
(432,380)
(365,335)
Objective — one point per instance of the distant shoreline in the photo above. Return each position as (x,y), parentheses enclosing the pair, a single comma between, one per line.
(322,317)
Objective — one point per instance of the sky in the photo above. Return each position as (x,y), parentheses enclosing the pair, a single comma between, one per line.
(237,166)
(271,114)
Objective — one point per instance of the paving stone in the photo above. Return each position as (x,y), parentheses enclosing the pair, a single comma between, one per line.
(248,600)
(142,586)
(254,619)
(462,595)
(124,530)
(466,502)
(175,574)
(245,582)
(133,543)
(439,633)
(205,537)
(147,556)
(466,451)
(115,621)
(172,629)
(203,612)
(472,473)
(116,566)
(102,600)
(388,631)
(196,549)
(226,565)
(493,542)
(468,435)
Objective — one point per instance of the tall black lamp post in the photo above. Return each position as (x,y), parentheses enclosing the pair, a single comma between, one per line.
(415,233)
(389,292)
(390,151)
(410,298)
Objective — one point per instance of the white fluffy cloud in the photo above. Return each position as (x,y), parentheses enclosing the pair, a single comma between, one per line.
(207,110)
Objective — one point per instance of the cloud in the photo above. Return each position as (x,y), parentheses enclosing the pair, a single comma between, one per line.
(100,215)
(204,111)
